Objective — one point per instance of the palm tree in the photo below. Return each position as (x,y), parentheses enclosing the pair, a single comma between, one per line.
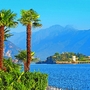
(22,56)
(7,19)
(7,34)
(29,18)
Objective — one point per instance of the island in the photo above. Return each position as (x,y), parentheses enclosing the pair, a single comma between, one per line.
(66,58)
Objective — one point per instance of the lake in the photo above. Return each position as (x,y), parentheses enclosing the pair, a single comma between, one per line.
(66,76)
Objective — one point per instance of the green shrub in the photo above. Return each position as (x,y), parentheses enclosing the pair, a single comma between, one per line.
(13,79)
(34,80)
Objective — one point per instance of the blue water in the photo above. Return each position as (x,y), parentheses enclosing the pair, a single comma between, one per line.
(66,76)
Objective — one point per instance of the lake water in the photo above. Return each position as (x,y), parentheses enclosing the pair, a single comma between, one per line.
(66,76)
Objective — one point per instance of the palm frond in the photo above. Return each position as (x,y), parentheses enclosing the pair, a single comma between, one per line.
(7,18)
(35,25)
(30,17)
(7,34)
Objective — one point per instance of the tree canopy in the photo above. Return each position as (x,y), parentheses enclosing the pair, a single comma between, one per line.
(30,17)
(7,18)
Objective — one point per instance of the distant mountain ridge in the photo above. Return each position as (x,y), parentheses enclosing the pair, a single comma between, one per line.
(10,50)
(56,38)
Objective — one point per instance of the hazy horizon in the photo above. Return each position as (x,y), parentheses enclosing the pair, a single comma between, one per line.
(35,30)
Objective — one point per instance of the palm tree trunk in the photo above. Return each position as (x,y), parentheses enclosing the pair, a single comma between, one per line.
(1,45)
(29,57)
(25,66)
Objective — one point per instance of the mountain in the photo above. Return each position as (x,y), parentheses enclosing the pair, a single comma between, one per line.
(56,38)
(19,39)
(10,50)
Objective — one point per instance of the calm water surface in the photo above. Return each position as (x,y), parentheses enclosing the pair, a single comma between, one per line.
(66,76)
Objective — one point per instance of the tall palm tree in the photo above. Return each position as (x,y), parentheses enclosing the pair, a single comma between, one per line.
(7,19)
(29,18)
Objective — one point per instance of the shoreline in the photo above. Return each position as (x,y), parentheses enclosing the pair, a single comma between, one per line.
(53,88)
(77,62)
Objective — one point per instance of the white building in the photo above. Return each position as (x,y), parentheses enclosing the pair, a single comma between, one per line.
(74,58)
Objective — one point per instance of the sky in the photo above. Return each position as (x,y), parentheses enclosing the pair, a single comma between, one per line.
(63,12)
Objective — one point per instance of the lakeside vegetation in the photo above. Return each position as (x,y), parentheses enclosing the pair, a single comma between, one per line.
(11,77)
(70,56)
(14,79)
(29,18)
